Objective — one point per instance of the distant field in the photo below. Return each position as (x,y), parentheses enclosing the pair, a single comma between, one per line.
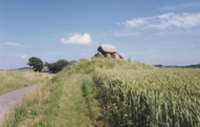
(20,69)
(108,92)
(15,79)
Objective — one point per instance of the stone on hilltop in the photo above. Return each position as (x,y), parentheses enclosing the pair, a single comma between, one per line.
(107,48)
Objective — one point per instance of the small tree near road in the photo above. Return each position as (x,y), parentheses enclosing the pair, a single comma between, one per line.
(36,63)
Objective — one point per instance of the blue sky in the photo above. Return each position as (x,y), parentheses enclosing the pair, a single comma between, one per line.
(153,32)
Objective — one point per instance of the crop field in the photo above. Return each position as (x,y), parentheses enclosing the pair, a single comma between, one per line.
(12,80)
(151,97)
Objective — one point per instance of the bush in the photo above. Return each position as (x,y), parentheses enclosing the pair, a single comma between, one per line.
(58,66)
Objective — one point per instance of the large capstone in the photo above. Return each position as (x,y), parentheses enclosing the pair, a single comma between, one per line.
(107,48)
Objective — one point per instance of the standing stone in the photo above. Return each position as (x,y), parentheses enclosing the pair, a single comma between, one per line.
(115,56)
(98,54)
(120,56)
(107,55)
(107,48)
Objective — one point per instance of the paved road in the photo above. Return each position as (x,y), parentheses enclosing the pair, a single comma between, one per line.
(8,99)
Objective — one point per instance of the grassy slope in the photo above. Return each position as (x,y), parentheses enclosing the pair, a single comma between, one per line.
(12,80)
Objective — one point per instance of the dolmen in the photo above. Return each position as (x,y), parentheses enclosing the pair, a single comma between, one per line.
(108,50)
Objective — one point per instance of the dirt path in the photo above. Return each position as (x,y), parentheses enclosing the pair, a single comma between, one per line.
(14,97)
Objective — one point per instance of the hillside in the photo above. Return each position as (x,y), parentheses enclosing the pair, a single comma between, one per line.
(188,66)
(193,66)
(109,92)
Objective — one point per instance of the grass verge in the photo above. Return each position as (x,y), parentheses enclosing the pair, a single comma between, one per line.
(92,104)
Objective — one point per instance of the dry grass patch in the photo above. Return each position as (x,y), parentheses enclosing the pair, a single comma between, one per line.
(12,80)
(27,123)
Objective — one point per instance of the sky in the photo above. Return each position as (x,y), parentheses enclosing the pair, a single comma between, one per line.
(150,31)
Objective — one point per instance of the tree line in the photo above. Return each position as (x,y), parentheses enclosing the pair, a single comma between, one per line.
(55,67)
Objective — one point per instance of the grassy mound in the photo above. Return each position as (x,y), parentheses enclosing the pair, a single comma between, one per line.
(109,92)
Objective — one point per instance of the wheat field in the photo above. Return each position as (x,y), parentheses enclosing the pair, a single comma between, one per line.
(150,97)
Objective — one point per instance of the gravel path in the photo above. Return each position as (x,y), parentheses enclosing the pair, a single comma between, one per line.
(14,97)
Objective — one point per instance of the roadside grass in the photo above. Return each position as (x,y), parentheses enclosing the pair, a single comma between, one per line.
(12,80)
(30,108)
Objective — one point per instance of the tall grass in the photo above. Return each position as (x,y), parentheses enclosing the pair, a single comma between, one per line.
(11,80)
(155,97)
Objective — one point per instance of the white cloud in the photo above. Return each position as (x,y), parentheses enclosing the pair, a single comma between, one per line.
(134,22)
(184,20)
(137,21)
(165,16)
(12,44)
(24,56)
(124,34)
(77,39)
(193,4)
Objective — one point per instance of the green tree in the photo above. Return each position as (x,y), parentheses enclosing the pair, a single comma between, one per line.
(52,67)
(36,63)
(57,66)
